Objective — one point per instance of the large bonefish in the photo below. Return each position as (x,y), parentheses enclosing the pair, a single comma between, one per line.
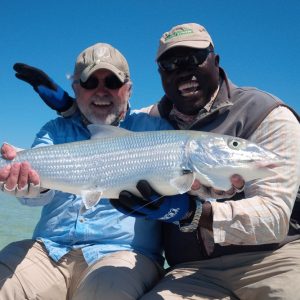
(114,159)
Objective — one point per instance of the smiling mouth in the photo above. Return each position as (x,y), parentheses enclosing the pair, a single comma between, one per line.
(188,88)
(102,104)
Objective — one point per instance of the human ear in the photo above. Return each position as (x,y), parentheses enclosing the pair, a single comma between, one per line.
(75,88)
(217,60)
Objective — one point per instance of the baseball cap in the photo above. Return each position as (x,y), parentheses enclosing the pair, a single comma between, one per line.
(190,35)
(101,56)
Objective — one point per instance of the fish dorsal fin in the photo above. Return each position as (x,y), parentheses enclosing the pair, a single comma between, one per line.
(104,131)
(91,198)
(183,183)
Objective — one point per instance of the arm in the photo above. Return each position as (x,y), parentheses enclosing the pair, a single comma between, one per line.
(151,110)
(50,92)
(263,216)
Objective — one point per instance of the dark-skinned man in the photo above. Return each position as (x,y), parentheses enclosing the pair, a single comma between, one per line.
(245,247)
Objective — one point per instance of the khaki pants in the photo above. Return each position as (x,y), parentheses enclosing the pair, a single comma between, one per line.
(27,272)
(245,276)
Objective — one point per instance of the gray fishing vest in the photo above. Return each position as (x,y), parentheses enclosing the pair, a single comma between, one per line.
(238,112)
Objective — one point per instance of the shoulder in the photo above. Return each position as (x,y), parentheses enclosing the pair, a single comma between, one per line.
(61,130)
(283,115)
(58,125)
(255,103)
(142,121)
(254,94)
(263,101)
(250,106)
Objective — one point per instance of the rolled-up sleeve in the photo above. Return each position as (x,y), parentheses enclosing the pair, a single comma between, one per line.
(263,216)
(41,200)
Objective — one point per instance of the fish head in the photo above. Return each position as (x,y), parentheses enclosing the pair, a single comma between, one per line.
(215,158)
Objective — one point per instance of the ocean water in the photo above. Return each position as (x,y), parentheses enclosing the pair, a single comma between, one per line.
(17,221)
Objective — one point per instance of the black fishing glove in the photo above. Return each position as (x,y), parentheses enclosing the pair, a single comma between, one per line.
(50,92)
(153,205)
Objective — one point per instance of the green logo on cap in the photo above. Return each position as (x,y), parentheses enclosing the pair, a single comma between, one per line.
(178,33)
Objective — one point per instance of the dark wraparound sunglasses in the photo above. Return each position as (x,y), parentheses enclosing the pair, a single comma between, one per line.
(191,60)
(111,82)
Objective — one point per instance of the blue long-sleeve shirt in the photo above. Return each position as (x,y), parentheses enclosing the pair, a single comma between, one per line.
(102,229)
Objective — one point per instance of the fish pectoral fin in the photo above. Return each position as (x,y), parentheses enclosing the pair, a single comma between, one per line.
(221,183)
(183,183)
(202,177)
(91,198)
(103,131)
(216,181)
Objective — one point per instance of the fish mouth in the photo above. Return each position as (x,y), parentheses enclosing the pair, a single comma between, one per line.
(261,164)
(267,164)
(188,87)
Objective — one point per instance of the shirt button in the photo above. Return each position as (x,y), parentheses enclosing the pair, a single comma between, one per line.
(81,220)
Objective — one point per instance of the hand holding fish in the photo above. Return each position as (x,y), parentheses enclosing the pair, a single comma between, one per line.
(205,192)
(168,208)
(153,205)
(18,179)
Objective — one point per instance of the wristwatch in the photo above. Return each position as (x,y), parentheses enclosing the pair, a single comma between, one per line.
(193,225)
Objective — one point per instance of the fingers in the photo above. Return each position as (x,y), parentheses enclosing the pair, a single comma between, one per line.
(207,192)
(117,204)
(196,185)
(23,71)
(33,177)
(147,191)
(26,70)
(33,190)
(129,200)
(237,182)
(128,203)
(12,179)
(134,202)
(20,180)
(18,66)
(8,151)
(34,76)
(28,182)
(22,77)
(17,175)
(4,173)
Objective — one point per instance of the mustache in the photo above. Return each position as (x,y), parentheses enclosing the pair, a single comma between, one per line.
(104,98)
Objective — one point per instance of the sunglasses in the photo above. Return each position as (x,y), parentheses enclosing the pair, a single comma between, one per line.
(111,82)
(191,60)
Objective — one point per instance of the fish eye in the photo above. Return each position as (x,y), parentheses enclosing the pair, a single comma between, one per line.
(234,144)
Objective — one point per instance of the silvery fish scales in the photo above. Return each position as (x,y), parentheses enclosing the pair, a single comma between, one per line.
(115,159)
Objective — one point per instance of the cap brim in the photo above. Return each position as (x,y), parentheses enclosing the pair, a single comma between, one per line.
(88,71)
(190,44)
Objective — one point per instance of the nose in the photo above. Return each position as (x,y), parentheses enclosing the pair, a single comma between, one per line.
(101,89)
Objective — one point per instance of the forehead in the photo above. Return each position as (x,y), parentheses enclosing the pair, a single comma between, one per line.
(102,73)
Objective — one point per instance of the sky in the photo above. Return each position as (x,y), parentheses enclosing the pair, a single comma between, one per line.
(258,42)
